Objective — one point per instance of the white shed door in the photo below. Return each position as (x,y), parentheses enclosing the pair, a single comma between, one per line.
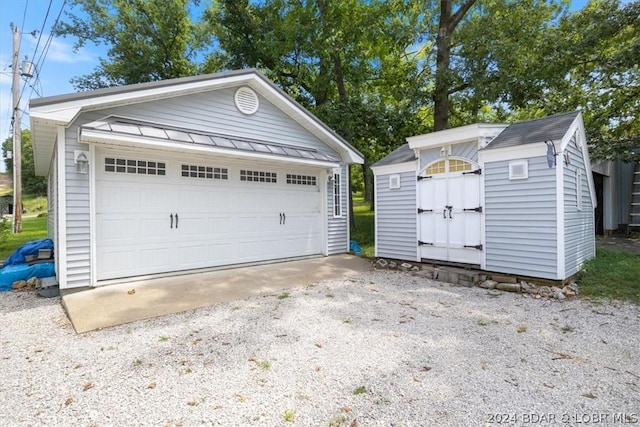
(450,218)
(151,218)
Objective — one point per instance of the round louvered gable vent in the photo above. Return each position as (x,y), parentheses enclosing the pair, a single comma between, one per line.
(247,101)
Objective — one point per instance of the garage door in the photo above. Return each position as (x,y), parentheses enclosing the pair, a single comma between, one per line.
(155,214)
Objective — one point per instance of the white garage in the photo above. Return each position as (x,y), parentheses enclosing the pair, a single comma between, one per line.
(185,175)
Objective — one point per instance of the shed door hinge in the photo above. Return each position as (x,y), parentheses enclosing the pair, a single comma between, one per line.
(424,210)
(421,243)
(475,172)
(420,178)
(478,247)
(478,209)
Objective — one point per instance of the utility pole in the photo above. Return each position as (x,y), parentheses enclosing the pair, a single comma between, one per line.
(17,135)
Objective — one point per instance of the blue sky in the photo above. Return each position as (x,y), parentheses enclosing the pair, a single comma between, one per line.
(58,67)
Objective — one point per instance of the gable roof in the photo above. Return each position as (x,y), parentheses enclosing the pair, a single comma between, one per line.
(50,113)
(551,128)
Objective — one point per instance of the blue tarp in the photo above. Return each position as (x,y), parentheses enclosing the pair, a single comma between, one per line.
(29,248)
(11,273)
(355,247)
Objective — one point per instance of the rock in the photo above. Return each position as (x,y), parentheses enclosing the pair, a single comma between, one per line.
(482,277)
(488,284)
(509,287)
(381,263)
(504,279)
(568,292)
(545,291)
(465,283)
(392,265)
(528,288)
(415,268)
(573,286)
(405,266)
(19,284)
(32,282)
(557,294)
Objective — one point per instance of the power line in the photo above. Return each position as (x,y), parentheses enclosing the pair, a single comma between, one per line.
(24,15)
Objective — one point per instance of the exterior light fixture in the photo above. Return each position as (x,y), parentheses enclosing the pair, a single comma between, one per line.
(445,151)
(81,159)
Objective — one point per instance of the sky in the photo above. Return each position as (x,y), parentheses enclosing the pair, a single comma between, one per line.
(56,62)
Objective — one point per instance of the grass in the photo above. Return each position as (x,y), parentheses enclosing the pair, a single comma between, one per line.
(611,275)
(363,231)
(32,229)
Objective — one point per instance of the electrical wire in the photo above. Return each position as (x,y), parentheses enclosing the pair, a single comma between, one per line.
(43,55)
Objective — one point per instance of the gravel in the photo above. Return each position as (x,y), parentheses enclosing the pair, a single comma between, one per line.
(381,348)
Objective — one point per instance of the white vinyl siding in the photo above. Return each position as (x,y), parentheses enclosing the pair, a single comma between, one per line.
(578,213)
(215,112)
(396,212)
(337,227)
(520,220)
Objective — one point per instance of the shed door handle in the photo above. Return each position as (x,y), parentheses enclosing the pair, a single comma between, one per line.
(176,220)
(284,218)
(450,217)
(171,216)
(444,213)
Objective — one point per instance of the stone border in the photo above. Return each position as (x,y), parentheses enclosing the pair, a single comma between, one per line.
(468,278)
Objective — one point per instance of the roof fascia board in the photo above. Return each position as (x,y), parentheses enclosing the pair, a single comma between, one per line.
(456,135)
(409,166)
(514,152)
(90,136)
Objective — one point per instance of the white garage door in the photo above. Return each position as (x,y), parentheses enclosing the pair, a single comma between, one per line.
(156,214)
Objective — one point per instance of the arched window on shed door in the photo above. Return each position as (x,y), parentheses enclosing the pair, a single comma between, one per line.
(447,166)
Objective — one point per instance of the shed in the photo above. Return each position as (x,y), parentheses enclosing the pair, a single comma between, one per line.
(516,199)
(185,175)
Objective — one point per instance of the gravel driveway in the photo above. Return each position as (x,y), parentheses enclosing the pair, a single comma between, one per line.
(381,348)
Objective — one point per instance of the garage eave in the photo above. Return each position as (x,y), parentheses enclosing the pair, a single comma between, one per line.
(99,137)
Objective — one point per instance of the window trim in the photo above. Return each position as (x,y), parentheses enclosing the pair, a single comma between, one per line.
(337,194)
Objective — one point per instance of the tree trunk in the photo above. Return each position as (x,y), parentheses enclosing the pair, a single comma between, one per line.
(447,24)
(443,60)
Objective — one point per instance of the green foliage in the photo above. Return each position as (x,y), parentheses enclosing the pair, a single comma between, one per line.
(611,275)
(31,184)
(148,40)
(363,231)
(32,229)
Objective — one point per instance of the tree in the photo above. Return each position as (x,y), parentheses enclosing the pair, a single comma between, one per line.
(31,184)
(363,84)
(148,40)
(485,56)
(596,52)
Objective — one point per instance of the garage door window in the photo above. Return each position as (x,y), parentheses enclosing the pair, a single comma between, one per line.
(206,172)
(258,176)
(140,167)
(301,179)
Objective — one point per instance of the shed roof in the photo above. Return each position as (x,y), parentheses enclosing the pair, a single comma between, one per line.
(401,154)
(549,128)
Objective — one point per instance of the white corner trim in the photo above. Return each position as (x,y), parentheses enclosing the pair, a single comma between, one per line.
(92,215)
(375,215)
(347,186)
(560,229)
(61,244)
